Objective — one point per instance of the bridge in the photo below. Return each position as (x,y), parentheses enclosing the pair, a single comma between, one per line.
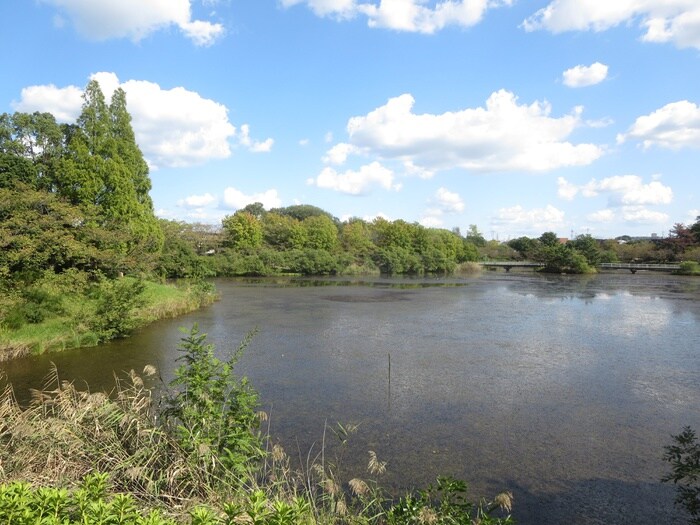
(632,267)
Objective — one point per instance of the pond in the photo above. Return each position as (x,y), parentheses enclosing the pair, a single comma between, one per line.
(561,389)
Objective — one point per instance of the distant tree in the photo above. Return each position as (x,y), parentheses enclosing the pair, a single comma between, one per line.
(302,211)
(256,209)
(695,228)
(588,247)
(549,239)
(283,232)
(679,239)
(321,233)
(475,236)
(242,231)
(355,238)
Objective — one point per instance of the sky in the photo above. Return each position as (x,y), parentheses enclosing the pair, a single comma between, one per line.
(517,116)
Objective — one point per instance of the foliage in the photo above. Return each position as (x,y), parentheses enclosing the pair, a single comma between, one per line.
(117,301)
(447,503)
(242,231)
(212,414)
(89,504)
(689,268)
(684,458)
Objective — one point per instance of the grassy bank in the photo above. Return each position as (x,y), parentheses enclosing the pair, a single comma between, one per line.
(71,312)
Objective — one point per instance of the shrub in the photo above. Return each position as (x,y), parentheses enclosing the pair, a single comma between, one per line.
(213,412)
(684,457)
(117,301)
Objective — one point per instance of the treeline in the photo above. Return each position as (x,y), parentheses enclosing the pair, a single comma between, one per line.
(304,239)
(584,253)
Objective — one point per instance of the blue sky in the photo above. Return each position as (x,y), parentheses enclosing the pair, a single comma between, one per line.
(518,116)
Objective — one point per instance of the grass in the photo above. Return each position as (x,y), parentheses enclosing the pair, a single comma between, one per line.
(72,327)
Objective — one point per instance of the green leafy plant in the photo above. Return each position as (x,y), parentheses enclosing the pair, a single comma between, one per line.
(684,457)
(447,503)
(212,411)
(117,301)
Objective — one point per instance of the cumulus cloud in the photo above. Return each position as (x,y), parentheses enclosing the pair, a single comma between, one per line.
(674,126)
(236,199)
(135,19)
(356,182)
(443,202)
(503,135)
(517,218)
(64,103)
(448,200)
(173,127)
(581,76)
(676,21)
(419,16)
(606,215)
(253,145)
(622,190)
(197,201)
(641,215)
(339,153)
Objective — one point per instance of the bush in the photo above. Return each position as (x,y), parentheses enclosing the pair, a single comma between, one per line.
(117,301)
(689,268)
(684,457)
(213,414)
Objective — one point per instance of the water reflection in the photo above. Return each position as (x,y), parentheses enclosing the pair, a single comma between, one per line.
(562,389)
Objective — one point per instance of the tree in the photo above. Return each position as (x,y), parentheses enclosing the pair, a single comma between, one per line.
(695,229)
(321,233)
(283,232)
(474,236)
(588,247)
(525,246)
(549,239)
(242,231)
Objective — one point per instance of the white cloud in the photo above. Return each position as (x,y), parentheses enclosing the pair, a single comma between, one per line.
(431,219)
(565,189)
(606,215)
(236,199)
(676,21)
(197,201)
(581,76)
(406,15)
(304,142)
(641,215)
(339,153)
(504,135)
(518,218)
(253,145)
(135,19)
(622,190)
(64,103)
(674,126)
(173,127)
(448,201)
(356,182)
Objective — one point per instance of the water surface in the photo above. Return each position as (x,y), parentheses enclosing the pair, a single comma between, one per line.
(563,390)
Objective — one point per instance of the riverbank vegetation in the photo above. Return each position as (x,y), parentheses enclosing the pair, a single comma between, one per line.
(203,459)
